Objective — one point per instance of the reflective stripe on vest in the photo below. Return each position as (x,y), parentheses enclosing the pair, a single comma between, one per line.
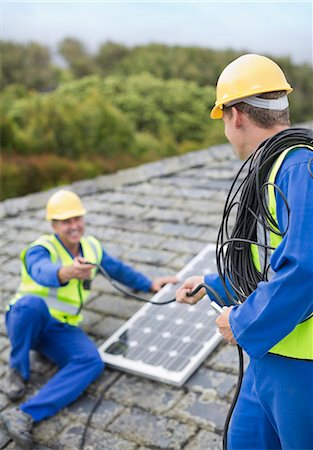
(65,302)
(298,343)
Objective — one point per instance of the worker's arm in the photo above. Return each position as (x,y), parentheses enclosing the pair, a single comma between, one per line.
(46,273)
(40,267)
(274,309)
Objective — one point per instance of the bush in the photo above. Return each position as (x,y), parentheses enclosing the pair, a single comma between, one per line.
(67,126)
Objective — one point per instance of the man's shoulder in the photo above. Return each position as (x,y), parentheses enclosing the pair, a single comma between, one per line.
(45,242)
(92,238)
(296,156)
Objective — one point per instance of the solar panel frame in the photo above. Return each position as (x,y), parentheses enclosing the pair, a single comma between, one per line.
(138,355)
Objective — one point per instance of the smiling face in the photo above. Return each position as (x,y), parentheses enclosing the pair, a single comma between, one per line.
(70,231)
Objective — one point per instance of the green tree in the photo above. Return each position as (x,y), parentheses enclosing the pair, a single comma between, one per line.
(173,107)
(77,57)
(27,64)
(68,126)
(301,79)
(8,96)
(109,55)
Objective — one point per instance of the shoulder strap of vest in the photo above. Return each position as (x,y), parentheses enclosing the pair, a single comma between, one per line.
(46,241)
(96,246)
(272,177)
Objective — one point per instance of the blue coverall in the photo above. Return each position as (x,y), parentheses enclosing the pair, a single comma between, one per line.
(30,326)
(275,406)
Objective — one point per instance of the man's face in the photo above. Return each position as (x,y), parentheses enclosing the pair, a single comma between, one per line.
(70,230)
(234,133)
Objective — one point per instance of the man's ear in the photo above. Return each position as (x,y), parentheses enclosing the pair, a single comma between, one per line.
(237,117)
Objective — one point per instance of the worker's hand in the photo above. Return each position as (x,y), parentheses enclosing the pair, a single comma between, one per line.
(190,285)
(79,270)
(224,326)
(158,283)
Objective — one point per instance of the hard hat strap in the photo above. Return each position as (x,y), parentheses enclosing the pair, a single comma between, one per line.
(275,104)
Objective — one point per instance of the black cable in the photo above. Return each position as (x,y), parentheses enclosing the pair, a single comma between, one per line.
(235,398)
(217,298)
(220,302)
(80,294)
(248,198)
(127,292)
(93,409)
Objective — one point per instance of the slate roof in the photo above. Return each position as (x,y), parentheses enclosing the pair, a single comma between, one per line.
(155,217)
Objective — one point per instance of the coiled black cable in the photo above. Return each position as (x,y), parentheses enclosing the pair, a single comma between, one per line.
(247,198)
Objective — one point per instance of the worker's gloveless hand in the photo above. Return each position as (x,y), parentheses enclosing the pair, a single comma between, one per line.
(158,283)
(190,285)
(79,270)
(223,325)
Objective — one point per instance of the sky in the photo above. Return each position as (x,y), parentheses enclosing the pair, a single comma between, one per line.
(275,28)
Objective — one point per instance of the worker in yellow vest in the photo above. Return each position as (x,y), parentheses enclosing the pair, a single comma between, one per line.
(57,271)
(265,261)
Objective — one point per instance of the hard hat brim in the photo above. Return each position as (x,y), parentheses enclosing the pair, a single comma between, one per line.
(67,215)
(216,113)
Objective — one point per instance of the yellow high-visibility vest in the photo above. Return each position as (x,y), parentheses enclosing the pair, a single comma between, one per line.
(298,343)
(65,302)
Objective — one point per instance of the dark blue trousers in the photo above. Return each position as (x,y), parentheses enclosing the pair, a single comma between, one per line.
(30,326)
(274,410)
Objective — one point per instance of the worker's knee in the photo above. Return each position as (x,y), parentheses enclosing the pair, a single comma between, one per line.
(97,364)
(91,365)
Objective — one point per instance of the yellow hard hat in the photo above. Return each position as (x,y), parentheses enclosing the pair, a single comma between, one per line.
(246,76)
(64,205)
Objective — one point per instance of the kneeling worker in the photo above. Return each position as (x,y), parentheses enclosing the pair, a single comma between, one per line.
(45,313)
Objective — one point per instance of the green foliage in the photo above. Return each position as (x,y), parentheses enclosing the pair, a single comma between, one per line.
(119,107)
(31,66)
(173,107)
(100,116)
(301,79)
(65,125)
(189,63)
(148,148)
(108,57)
(77,57)
(8,96)
(28,64)
(203,66)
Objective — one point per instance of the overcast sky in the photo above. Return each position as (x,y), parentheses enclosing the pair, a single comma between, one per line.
(275,28)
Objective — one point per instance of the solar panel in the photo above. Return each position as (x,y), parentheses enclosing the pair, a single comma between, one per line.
(169,342)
